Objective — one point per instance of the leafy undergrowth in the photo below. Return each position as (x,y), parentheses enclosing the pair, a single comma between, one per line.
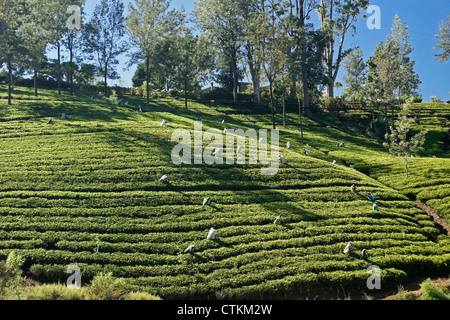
(86,191)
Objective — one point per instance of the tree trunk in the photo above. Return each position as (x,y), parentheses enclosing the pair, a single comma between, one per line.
(386,119)
(71,71)
(257,91)
(185,93)
(59,68)
(35,82)
(272,106)
(148,81)
(306,109)
(284,107)
(10,82)
(106,79)
(330,88)
(301,117)
(235,78)
(254,72)
(303,64)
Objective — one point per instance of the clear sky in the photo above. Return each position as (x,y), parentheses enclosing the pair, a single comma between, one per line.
(422,16)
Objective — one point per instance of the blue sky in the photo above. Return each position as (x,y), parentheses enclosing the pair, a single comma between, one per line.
(422,16)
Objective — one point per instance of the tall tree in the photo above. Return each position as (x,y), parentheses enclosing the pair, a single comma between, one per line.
(104,37)
(148,22)
(273,51)
(222,21)
(35,34)
(299,62)
(192,59)
(60,14)
(12,48)
(338,17)
(444,42)
(250,11)
(391,70)
(400,142)
(356,72)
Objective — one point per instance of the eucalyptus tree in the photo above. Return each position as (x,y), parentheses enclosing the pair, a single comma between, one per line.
(12,48)
(337,17)
(148,23)
(250,11)
(299,31)
(103,37)
(34,32)
(65,16)
(222,21)
(274,43)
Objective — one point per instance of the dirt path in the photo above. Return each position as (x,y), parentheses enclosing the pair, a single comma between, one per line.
(436,218)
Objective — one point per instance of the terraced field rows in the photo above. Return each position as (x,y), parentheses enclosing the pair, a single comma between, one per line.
(86,192)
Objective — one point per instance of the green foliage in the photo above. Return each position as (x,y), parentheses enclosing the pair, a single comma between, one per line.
(431,291)
(398,141)
(444,41)
(95,177)
(105,287)
(140,296)
(54,292)
(12,283)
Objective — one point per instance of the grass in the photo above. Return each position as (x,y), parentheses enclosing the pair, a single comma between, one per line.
(85,191)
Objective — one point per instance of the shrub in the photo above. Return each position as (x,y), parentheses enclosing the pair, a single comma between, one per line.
(54,292)
(431,291)
(140,296)
(105,287)
(12,283)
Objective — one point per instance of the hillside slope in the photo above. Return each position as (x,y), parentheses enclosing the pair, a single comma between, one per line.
(85,191)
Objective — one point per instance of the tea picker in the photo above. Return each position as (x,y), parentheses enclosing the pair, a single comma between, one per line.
(190,249)
(364,254)
(376,206)
(278,220)
(163,123)
(164,179)
(206,201)
(281,158)
(211,234)
(348,248)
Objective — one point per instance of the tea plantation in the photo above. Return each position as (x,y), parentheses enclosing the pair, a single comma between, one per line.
(85,191)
